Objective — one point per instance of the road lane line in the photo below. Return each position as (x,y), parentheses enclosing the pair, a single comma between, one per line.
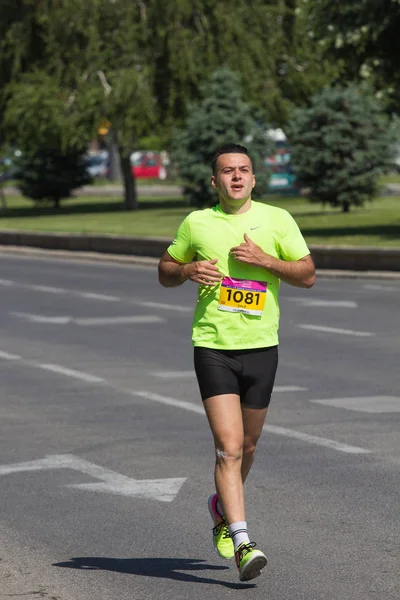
(93,296)
(289,388)
(327,303)
(177,307)
(8,356)
(337,330)
(283,431)
(313,439)
(119,320)
(46,288)
(380,288)
(7,282)
(168,401)
(69,372)
(42,319)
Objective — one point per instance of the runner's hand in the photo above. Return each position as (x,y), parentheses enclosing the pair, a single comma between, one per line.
(248,252)
(204,272)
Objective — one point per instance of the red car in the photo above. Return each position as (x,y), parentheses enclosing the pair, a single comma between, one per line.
(147,164)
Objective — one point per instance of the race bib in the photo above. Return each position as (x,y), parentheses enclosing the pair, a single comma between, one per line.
(242,295)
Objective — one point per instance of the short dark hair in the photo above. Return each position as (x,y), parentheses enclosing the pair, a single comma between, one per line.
(229,149)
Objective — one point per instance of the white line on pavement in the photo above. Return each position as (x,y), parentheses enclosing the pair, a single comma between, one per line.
(42,319)
(173,374)
(6,282)
(168,401)
(94,296)
(177,307)
(197,408)
(119,320)
(327,303)
(337,330)
(311,439)
(70,373)
(289,388)
(47,288)
(8,356)
(381,288)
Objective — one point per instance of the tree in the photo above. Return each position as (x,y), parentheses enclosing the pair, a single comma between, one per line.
(140,64)
(340,146)
(363,36)
(222,117)
(50,175)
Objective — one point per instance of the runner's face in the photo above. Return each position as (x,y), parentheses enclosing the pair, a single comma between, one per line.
(233,179)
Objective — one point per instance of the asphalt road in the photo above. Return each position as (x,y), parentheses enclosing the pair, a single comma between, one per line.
(106,457)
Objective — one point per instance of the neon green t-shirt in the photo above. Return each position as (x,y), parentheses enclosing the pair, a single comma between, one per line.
(242,312)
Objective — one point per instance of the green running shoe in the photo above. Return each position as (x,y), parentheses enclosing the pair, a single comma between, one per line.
(249,561)
(221,537)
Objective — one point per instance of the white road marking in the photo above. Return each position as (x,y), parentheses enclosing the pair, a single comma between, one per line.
(168,401)
(8,356)
(327,303)
(63,320)
(381,288)
(291,433)
(94,296)
(289,388)
(312,439)
(177,307)
(46,288)
(119,320)
(42,319)
(337,330)
(369,404)
(173,374)
(70,373)
(163,490)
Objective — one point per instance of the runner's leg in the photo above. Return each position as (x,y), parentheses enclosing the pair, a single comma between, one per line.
(225,418)
(253,421)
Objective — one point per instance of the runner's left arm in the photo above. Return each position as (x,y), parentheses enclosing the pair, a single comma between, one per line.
(300,273)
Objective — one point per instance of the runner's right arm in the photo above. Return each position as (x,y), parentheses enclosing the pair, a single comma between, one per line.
(172,273)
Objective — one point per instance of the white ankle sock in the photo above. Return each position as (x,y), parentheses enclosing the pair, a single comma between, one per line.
(238,533)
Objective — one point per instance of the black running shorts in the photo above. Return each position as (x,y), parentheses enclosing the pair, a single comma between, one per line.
(248,373)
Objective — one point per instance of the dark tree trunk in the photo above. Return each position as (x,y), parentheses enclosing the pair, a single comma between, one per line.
(130,192)
(346,207)
(56,203)
(3,199)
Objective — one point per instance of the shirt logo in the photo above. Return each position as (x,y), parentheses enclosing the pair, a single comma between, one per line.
(257,227)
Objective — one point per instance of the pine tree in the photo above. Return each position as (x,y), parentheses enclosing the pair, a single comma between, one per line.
(222,117)
(51,175)
(340,146)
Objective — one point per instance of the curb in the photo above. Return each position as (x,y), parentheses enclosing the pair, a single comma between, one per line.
(152,262)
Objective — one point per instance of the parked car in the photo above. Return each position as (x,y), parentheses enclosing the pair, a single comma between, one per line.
(148,164)
(98,164)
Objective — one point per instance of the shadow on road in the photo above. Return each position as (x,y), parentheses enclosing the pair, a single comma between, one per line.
(166,568)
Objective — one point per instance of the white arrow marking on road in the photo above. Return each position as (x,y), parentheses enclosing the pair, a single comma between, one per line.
(163,490)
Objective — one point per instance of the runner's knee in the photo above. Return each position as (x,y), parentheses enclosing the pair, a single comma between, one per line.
(228,455)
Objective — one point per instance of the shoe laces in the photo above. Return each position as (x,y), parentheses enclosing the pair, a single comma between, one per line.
(222,526)
(244,549)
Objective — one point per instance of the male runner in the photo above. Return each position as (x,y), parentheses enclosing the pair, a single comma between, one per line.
(238,252)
